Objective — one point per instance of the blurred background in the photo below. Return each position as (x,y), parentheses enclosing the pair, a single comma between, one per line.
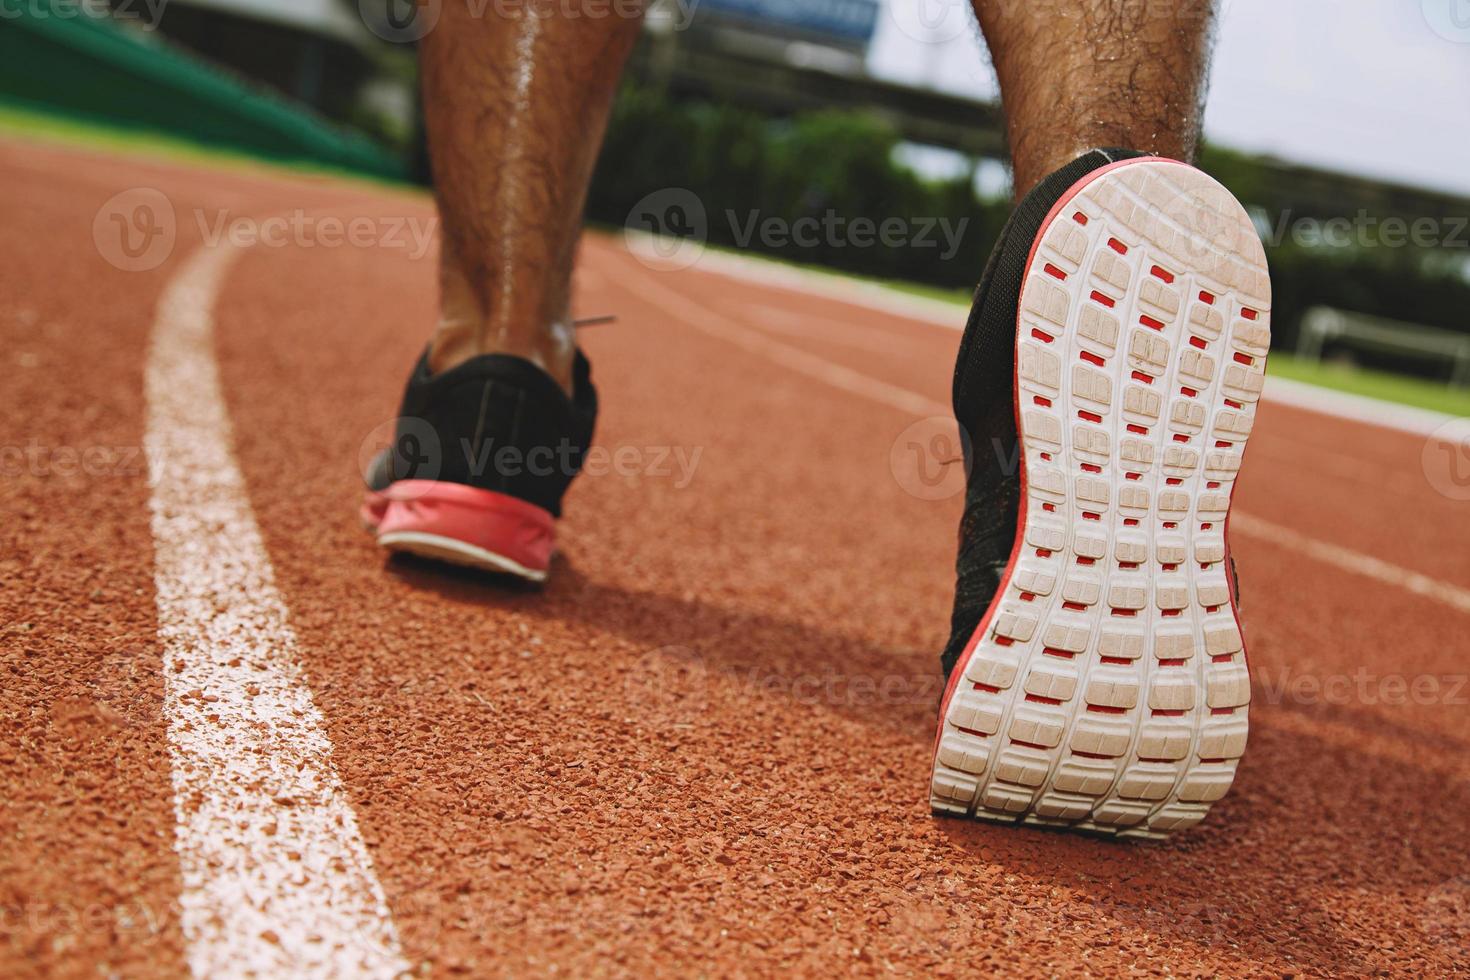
(1344,129)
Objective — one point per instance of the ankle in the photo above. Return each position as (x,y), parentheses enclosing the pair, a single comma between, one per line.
(528,321)
(551,348)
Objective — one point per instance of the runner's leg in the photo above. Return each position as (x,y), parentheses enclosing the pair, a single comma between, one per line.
(516,104)
(1076,74)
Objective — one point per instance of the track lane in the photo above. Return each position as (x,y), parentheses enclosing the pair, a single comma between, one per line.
(623,772)
(1306,470)
(811,565)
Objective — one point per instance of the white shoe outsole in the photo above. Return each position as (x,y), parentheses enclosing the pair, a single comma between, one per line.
(446,549)
(1107,689)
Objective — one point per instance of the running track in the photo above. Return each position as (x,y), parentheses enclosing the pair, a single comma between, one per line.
(704,746)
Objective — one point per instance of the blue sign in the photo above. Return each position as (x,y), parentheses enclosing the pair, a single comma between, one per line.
(849,20)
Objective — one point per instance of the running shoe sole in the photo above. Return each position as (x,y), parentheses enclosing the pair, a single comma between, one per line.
(464,526)
(1106,688)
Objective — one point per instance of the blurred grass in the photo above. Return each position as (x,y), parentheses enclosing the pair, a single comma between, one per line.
(959,297)
(1397,388)
(27,123)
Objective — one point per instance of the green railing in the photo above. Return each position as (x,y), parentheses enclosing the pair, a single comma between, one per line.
(58,58)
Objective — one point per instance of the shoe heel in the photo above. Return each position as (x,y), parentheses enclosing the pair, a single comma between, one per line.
(468,526)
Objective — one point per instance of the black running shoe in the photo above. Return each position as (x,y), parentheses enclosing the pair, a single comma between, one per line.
(481,457)
(1116,349)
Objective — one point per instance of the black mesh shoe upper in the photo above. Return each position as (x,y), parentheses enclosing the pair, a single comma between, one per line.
(984,404)
(495,422)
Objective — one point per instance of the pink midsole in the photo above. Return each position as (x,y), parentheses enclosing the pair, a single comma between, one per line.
(374,505)
(484,519)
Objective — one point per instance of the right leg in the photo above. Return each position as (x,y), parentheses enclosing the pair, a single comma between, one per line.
(1075,74)
(516,105)
(1113,359)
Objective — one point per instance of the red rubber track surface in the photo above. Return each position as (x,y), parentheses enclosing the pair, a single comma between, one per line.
(705,744)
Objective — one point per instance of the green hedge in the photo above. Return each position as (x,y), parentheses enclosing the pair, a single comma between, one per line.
(737,160)
(744,167)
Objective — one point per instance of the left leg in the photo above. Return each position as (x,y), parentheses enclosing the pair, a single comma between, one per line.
(515,101)
(516,104)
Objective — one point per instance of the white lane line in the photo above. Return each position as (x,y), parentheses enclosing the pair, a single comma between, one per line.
(276,878)
(1359,408)
(707,321)
(1354,561)
(854,382)
(952,316)
(827,330)
(813,282)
